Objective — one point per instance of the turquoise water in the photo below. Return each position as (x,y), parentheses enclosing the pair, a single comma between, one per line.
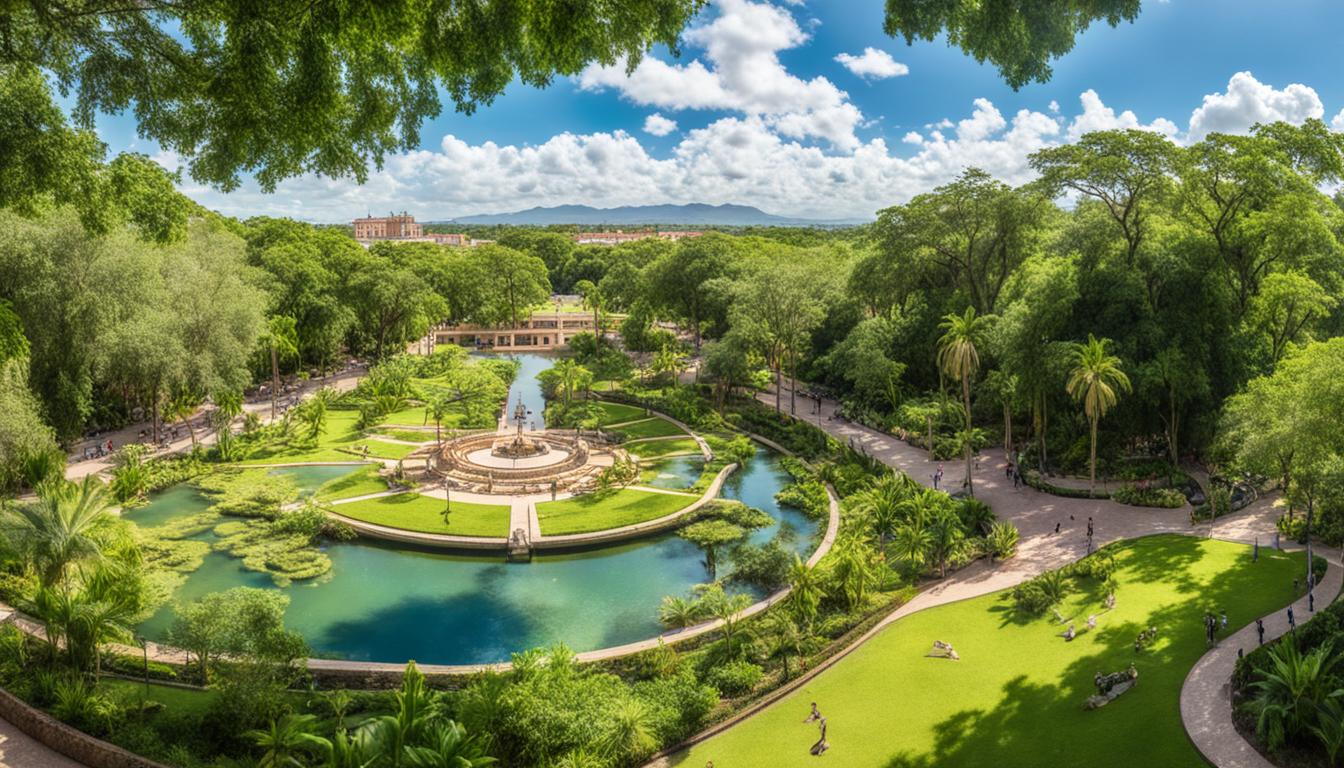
(526,386)
(388,603)
(382,603)
(677,472)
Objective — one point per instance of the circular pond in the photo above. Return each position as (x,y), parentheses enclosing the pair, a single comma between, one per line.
(391,604)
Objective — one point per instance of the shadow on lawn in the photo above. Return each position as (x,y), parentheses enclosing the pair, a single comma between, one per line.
(1044,723)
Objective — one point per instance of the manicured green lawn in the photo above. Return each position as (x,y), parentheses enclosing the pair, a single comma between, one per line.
(613,509)
(615,413)
(413,512)
(178,701)
(339,432)
(1015,698)
(652,449)
(381,449)
(654,427)
(411,435)
(361,482)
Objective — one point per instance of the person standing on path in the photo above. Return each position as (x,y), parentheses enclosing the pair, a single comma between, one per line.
(1260,630)
(1311,602)
(1292,623)
(1255,551)
(1089,527)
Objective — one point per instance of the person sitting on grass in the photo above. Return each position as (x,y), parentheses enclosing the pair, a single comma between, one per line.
(944,650)
(1069,634)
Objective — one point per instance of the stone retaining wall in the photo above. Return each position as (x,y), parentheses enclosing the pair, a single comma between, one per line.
(71,742)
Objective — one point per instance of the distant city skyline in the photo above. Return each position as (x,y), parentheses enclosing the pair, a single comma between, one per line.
(808,110)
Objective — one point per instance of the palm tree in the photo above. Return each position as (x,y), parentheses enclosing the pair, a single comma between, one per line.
(912,542)
(594,300)
(946,538)
(1096,382)
(670,361)
(881,503)
(958,357)
(567,375)
(632,736)
(806,590)
(677,612)
(446,744)
(282,340)
(313,414)
(288,741)
(853,570)
(784,639)
(56,531)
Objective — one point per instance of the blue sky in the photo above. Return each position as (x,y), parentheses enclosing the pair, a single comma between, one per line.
(765,115)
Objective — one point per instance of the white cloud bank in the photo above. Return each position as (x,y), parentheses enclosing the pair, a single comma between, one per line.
(790,148)
(873,64)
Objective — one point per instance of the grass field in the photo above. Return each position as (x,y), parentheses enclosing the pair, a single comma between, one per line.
(1015,698)
(615,413)
(381,449)
(653,449)
(339,432)
(413,512)
(178,701)
(654,427)
(600,511)
(361,482)
(414,436)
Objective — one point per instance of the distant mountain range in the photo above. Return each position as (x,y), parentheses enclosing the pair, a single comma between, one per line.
(694,214)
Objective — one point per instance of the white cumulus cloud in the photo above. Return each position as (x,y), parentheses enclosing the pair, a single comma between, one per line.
(743,74)
(1337,122)
(1248,101)
(873,64)
(1096,116)
(658,125)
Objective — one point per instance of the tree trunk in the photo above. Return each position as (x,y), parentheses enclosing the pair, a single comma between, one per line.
(190,429)
(1092,474)
(966,401)
(779,389)
(793,385)
(275,378)
(1007,430)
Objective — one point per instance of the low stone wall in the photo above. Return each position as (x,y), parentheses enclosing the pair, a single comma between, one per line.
(71,742)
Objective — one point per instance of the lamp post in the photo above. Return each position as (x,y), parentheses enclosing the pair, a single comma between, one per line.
(144,647)
(447,500)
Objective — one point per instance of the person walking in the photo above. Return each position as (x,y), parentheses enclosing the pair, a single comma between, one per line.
(1260,630)
(1017,479)
(1292,622)
(1255,551)
(1311,602)
(1056,527)
(1089,527)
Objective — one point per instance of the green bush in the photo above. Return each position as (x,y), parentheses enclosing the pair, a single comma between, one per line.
(1001,541)
(808,497)
(1167,498)
(734,678)
(1038,595)
(765,566)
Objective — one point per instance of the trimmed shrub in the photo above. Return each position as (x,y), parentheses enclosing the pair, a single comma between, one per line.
(734,678)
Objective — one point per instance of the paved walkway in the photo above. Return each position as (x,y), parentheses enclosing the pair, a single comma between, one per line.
(18,750)
(1036,516)
(76,469)
(1206,695)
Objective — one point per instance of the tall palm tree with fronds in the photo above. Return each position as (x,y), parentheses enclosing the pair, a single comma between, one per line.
(959,357)
(806,591)
(1096,381)
(57,531)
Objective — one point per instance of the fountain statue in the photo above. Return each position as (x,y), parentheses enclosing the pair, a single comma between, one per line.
(521,446)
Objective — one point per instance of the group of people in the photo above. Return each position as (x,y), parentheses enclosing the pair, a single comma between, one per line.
(1213,624)
(97,451)
(944,650)
(821,744)
(1011,471)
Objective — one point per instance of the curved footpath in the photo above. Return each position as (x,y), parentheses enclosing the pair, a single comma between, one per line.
(1040,549)
(1206,694)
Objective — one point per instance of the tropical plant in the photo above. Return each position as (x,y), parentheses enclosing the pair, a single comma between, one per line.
(281,341)
(1096,381)
(947,539)
(289,742)
(58,530)
(852,568)
(806,591)
(677,612)
(631,733)
(1286,700)
(1001,541)
(959,358)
